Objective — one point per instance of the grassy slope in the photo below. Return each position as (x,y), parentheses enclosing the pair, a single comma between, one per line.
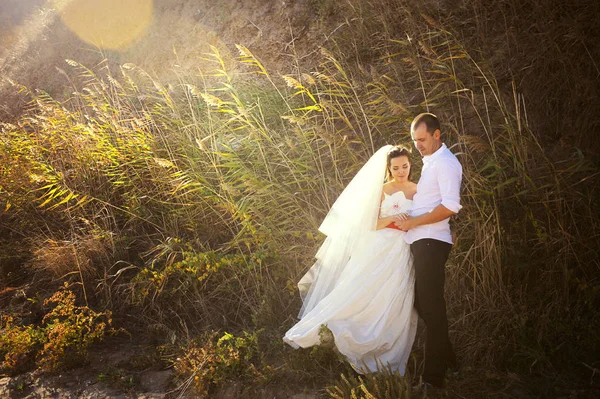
(167,162)
(34,42)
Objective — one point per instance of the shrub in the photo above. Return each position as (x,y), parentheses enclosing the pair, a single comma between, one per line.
(382,385)
(181,286)
(18,345)
(212,360)
(61,341)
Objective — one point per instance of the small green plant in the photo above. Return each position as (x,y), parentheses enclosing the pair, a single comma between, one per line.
(69,331)
(18,345)
(61,341)
(385,384)
(225,289)
(212,361)
(117,378)
(326,337)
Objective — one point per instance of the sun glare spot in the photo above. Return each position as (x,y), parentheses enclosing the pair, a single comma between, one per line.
(108,24)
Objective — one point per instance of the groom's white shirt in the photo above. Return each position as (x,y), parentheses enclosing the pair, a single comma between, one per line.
(439,184)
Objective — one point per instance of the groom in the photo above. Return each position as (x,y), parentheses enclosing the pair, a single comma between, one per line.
(428,233)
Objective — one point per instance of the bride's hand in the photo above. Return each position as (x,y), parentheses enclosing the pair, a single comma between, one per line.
(401,216)
(400,221)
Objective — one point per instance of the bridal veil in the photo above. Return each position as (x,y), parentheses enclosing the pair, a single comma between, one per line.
(349,226)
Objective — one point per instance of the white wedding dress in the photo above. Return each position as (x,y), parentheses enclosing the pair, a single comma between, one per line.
(370,310)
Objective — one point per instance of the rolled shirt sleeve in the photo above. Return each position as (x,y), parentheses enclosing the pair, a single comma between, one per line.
(449,180)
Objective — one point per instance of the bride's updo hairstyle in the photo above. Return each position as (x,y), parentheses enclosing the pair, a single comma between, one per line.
(395,152)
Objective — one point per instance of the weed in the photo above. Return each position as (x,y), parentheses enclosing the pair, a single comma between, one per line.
(385,384)
(212,361)
(118,378)
(18,345)
(61,342)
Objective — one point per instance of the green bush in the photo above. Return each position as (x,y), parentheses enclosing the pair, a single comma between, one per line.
(213,360)
(61,341)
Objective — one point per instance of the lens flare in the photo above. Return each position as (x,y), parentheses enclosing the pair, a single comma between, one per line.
(107,24)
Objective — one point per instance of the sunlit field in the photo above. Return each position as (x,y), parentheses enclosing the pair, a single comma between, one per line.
(182,214)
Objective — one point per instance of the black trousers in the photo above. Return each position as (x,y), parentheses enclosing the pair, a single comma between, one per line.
(429,258)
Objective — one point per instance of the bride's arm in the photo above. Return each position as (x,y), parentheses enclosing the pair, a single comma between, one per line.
(399,218)
(383,222)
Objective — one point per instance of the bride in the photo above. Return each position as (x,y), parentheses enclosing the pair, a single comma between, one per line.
(362,285)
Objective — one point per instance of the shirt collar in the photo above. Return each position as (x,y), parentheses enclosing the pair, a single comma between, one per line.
(429,158)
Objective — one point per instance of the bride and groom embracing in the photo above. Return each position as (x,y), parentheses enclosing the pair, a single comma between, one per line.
(382,263)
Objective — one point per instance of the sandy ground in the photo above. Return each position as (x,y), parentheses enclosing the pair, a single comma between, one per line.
(107,375)
(119,368)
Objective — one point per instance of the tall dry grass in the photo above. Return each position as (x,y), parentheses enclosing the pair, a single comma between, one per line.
(207,194)
(520,282)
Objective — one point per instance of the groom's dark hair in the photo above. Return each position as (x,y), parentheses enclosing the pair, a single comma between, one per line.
(429,119)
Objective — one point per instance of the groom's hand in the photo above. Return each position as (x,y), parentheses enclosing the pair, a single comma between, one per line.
(405,222)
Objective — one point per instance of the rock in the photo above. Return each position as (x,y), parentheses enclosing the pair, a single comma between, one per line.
(4,387)
(155,381)
(231,391)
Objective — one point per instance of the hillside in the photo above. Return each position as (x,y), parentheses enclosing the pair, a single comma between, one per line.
(166,165)
(35,41)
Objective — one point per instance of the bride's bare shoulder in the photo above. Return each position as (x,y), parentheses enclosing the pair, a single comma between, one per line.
(411,190)
(387,187)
